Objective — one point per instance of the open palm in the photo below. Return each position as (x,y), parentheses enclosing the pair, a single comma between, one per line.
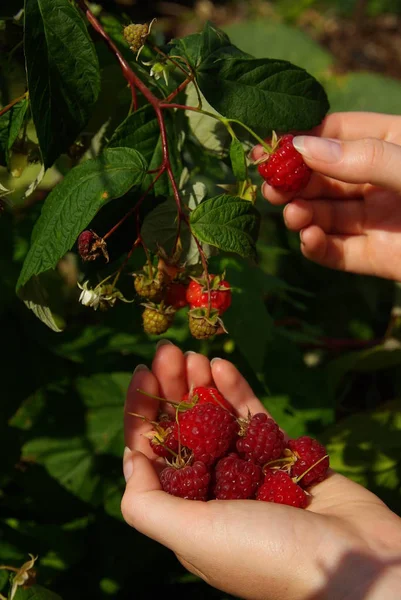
(346,544)
(349,214)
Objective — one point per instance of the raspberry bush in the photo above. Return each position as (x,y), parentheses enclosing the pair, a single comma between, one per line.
(135,194)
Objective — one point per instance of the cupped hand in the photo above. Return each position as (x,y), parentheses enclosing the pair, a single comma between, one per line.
(346,544)
(349,215)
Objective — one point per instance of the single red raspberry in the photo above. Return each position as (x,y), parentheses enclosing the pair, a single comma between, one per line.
(285,168)
(236,479)
(203,395)
(307,452)
(162,440)
(278,487)
(220,293)
(191,482)
(206,429)
(261,439)
(176,295)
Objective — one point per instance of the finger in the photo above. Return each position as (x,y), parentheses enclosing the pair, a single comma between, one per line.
(318,187)
(343,217)
(353,126)
(235,388)
(368,160)
(199,372)
(170,370)
(136,402)
(342,252)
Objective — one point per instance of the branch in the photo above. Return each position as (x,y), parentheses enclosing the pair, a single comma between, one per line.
(12,103)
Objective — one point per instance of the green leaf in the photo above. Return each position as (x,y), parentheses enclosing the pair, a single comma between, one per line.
(209,132)
(104,396)
(10,125)
(36,298)
(238,160)
(70,461)
(367,448)
(227,222)
(265,94)
(73,203)
(63,73)
(141,131)
(159,227)
(198,46)
(36,592)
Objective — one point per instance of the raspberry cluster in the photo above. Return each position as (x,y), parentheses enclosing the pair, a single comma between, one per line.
(210,453)
(165,295)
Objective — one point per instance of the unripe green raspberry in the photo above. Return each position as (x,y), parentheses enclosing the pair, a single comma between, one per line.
(136,35)
(157,319)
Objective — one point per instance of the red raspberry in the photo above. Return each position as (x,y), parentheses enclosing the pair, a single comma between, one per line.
(176,295)
(278,487)
(236,479)
(191,482)
(162,440)
(204,395)
(206,429)
(220,294)
(91,246)
(261,439)
(285,168)
(307,452)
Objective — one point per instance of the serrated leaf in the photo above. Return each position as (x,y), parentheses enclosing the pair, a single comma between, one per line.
(265,94)
(10,125)
(196,47)
(238,159)
(141,131)
(227,222)
(73,203)
(63,73)
(70,461)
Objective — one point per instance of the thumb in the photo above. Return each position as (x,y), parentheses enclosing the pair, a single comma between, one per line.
(153,512)
(368,160)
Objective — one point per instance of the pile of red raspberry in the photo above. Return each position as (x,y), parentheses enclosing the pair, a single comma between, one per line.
(210,453)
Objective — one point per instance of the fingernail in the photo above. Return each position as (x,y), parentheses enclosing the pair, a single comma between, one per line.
(214,360)
(189,352)
(284,217)
(163,342)
(128,465)
(140,367)
(301,233)
(318,148)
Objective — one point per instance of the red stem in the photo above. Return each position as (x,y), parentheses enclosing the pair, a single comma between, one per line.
(158,106)
(134,208)
(11,104)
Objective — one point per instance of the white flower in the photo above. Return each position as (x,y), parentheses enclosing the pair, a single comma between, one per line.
(89,297)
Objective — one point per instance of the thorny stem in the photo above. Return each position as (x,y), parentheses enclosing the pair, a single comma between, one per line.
(158,105)
(12,103)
